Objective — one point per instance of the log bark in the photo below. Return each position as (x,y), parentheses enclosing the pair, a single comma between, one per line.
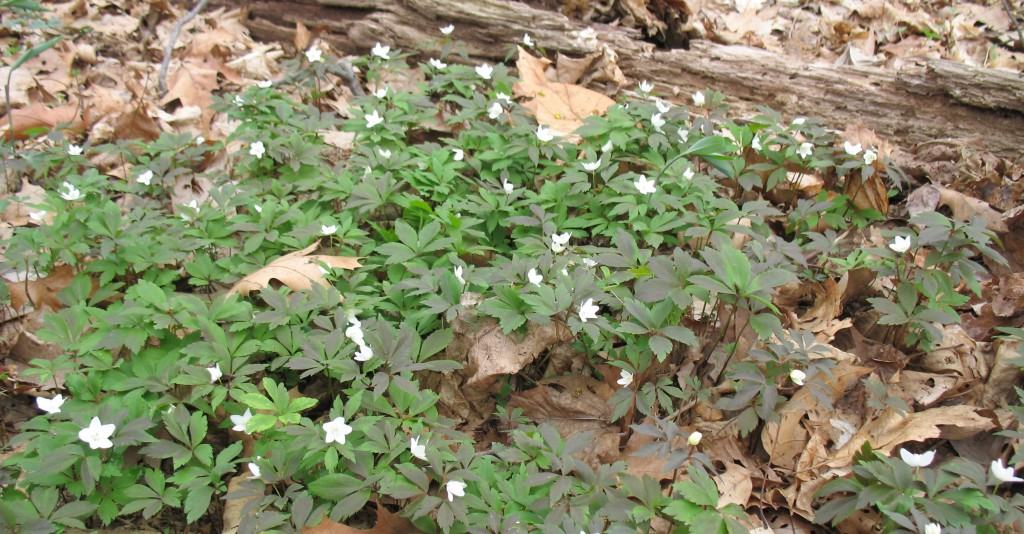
(923,100)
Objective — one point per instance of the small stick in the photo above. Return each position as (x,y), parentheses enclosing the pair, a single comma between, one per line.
(162,78)
(1013,18)
(349,77)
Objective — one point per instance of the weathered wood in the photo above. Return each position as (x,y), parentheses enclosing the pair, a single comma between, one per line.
(924,100)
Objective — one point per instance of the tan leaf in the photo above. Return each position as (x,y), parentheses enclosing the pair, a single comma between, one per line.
(17,212)
(735,485)
(558,105)
(868,194)
(889,430)
(302,36)
(574,404)
(42,292)
(69,116)
(966,208)
(298,271)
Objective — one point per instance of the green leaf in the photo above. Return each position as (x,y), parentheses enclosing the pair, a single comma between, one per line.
(261,422)
(257,402)
(197,502)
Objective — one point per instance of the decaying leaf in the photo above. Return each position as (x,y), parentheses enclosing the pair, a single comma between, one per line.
(574,404)
(40,292)
(964,207)
(387,523)
(298,271)
(73,117)
(868,194)
(558,105)
(17,212)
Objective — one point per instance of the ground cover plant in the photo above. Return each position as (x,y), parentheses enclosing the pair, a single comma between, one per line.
(469,320)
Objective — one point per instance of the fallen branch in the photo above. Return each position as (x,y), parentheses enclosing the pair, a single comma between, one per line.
(169,49)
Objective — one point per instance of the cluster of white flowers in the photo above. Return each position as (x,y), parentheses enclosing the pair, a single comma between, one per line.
(355,333)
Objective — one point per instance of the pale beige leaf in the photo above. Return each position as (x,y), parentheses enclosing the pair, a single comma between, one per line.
(558,105)
(298,270)
(966,208)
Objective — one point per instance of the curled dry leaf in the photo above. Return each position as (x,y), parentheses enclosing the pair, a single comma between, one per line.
(889,430)
(41,292)
(558,105)
(964,207)
(298,271)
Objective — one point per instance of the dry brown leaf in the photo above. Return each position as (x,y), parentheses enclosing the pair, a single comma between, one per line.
(70,117)
(298,270)
(387,523)
(302,36)
(890,429)
(41,293)
(558,105)
(1009,301)
(734,485)
(1004,374)
(574,404)
(17,212)
(868,194)
(966,208)
(922,389)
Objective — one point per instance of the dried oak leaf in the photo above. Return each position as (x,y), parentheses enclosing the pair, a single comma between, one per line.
(297,270)
(561,106)
(387,523)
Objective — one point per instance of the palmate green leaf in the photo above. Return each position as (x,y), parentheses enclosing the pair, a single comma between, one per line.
(197,502)
(260,423)
(700,489)
(257,401)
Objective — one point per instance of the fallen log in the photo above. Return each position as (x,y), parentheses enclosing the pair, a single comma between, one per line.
(923,100)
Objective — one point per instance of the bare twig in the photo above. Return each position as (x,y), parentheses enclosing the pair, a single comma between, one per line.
(169,49)
(1013,18)
(350,78)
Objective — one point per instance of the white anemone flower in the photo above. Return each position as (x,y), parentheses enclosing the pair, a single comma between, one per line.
(527,41)
(50,405)
(215,373)
(381,51)
(336,430)
(900,244)
(314,55)
(657,121)
(74,150)
(698,99)
(484,71)
(588,310)
(917,460)
(373,119)
(797,376)
(851,148)
(257,149)
(458,274)
(869,157)
(1003,473)
(591,166)
(625,378)
(495,111)
(694,438)
(437,64)
(447,30)
(558,241)
(455,488)
(645,186)
(544,134)
(69,192)
(459,154)
(417,450)
(646,87)
(805,151)
(97,434)
(241,421)
(534,277)
(328,229)
(145,178)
